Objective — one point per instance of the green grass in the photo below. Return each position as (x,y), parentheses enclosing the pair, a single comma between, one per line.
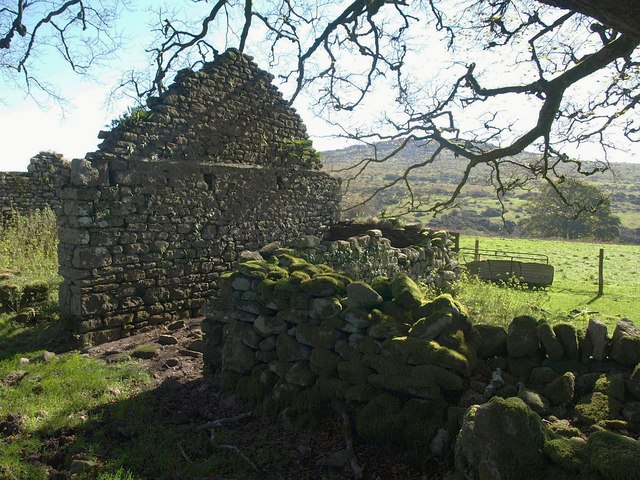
(574,293)
(55,399)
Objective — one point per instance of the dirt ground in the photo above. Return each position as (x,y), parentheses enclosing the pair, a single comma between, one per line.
(170,353)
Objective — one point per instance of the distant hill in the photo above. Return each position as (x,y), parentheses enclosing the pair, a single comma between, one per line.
(478,209)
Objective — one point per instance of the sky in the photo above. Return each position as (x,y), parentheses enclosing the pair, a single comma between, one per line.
(27,127)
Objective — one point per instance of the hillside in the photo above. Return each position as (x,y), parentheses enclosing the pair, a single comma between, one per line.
(478,208)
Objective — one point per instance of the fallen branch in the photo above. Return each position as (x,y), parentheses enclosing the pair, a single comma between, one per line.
(184,454)
(237,451)
(223,421)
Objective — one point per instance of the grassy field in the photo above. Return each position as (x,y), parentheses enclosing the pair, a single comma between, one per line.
(574,293)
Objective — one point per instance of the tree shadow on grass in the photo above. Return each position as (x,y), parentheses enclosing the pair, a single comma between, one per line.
(44,332)
(156,435)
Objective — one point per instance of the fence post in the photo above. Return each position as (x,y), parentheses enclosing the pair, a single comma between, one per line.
(601,273)
(476,253)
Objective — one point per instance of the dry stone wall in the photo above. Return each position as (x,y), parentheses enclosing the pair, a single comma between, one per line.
(371,254)
(151,220)
(299,340)
(24,192)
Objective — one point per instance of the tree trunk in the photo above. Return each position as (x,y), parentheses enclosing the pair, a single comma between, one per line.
(621,15)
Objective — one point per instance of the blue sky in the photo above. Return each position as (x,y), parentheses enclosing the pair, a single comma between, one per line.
(27,128)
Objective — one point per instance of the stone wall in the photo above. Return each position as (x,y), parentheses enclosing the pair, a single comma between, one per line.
(24,192)
(298,340)
(218,164)
(371,254)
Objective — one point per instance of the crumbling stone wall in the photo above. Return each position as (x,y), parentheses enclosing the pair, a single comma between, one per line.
(24,192)
(294,337)
(175,193)
(371,254)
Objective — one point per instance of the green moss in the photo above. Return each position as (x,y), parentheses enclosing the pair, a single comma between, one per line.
(323,362)
(406,292)
(442,305)
(421,419)
(570,455)
(355,373)
(382,285)
(612,385)
(291,262)
(423,387)
(298,276)
(416,351)
(380,421)
(385,326)
(256,387)
(597,407)
(324,285)
(614,456)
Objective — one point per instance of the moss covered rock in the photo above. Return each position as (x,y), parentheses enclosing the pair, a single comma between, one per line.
(614,456)
(300,374)
(385,326)
(415,351)
(324,285)
(633,382)
(611,384)
(561,390)
(569,454)
(289,350)
(353,372)
(625,343)
(323,362)
(324,308)
(406,292)
(382,285)
(597,407)
(361,295)
(238,357)
(502,439)
(316,336)
(380,421)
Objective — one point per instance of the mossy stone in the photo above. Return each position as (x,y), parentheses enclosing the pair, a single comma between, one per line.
(522,337)
(542,376)
(324,308)
(549,341)
(444,305)
(288,349)
(323,362)
(614,456)
(625,343)
(384,326)
(299,301)
(561,390)
(357,317)
(266,356)
(597,407)
(456,340)
(386,365)
(406,292)
(442,377)
(300,374)
(493,340)
(421,419)
(502,438)
(380,420)
(256,387)
(415,351)
(360,393)
(611,384)
(237,356)
(245,332)
(382,285)
(534,401)
(347,352)
(361,295)
(316,336)
(567,454)
(368,345)
(521,367)
(267,325)
(423,387)
(633,382)
(324,285)
(355,373)
(145,351)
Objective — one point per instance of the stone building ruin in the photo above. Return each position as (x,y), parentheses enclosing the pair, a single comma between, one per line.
(174,193)
(35,189)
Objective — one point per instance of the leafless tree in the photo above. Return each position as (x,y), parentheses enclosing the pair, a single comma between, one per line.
(35,32)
